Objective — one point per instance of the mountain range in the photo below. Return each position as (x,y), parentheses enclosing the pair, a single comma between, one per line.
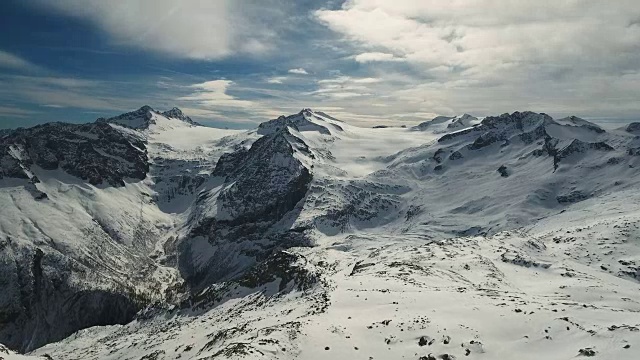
(150,236)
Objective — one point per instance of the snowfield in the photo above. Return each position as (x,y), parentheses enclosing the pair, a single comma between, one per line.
(507,237)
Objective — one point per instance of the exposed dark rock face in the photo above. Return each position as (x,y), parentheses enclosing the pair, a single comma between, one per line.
(573,197)
(266,181)
(291,270)
(438,155)
(176,113)
(525,128)
(51,290)
(455,155)
(587,352)
(503,171)
(496,128)
(633,128)
(97,153)
(262,186)
(42,303)
(138,119)
(578,146)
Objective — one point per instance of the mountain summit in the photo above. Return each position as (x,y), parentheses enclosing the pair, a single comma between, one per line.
(176,113)
(144,117)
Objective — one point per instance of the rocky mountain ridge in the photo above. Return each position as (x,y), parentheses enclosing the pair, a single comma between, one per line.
(185,229)
(144,117)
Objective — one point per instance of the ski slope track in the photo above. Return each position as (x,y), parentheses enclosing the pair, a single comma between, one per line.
(149,236)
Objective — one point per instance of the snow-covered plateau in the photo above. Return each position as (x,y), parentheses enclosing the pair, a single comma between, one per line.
(149,237)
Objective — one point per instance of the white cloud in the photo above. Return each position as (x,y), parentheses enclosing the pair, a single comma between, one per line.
(13,62)
(195,29)
(276,80)
(67,92)
(213,94)
(492,56)
(12,111)
(374,57)
(348,79)
(344,87)
(298,71)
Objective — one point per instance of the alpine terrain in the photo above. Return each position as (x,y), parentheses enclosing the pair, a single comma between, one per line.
(150,237)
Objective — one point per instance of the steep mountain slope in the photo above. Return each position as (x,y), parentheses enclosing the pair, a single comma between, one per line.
(505,237)
(80,220)
(237,223)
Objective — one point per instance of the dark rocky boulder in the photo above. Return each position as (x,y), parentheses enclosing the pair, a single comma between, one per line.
(502,170)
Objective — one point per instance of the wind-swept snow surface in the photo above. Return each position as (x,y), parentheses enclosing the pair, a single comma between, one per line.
(507,237)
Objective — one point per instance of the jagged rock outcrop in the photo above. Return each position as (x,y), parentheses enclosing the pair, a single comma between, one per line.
(633,128)
(526,128)
(262,185)
(266,181)
(292,271)
(137,119)
(97,153)
(176,113)
(501,128)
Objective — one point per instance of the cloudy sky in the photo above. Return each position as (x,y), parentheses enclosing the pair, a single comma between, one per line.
(239,62)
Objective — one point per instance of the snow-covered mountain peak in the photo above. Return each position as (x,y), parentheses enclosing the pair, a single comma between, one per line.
(176,113)
(524,121)
(137,119)
(442,124)
(146,116)
(555,138)
(305,120)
